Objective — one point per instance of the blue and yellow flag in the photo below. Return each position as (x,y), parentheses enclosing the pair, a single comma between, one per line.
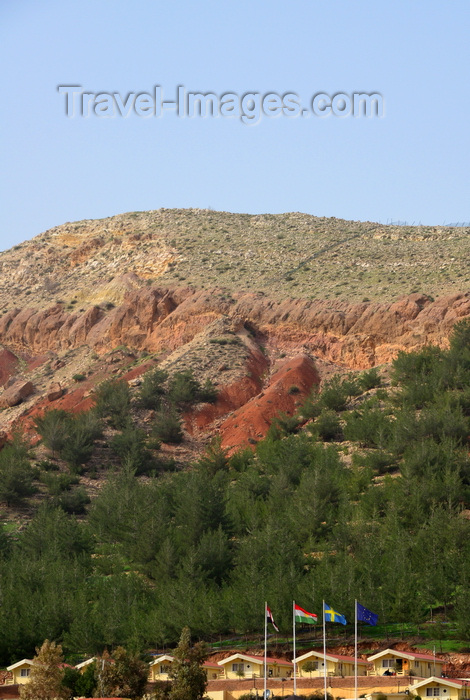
(333,616)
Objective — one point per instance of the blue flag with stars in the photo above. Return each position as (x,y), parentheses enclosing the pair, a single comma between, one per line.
(364,615)
(333,616)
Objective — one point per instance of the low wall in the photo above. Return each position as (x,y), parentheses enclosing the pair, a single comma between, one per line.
(337,686)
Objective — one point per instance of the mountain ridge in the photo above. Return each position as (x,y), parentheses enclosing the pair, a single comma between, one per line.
(142,281)
(284,255)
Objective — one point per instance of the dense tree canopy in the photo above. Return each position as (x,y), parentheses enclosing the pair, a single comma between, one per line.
(380,518)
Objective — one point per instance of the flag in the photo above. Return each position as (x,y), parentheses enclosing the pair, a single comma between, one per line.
(333,616)
(269,617)
(364,615)
(302,615)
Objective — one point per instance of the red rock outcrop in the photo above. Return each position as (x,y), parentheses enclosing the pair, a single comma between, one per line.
(352,335)
(291,383)
(232,396)
(8,365)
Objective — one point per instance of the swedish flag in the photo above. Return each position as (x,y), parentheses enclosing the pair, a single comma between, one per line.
(333,616)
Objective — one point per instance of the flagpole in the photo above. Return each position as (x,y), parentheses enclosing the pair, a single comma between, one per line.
(355,649)
(265,645)
(324,652)
(293,627)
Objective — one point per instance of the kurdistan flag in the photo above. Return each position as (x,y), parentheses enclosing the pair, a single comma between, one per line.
(302,615)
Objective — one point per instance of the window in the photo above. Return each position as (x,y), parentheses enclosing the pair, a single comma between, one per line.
(388,663)
(24,673)
(432,692)
(238,668)
(164,668)
(416,664)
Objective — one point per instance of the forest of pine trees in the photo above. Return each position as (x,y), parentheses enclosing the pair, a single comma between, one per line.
(363,495)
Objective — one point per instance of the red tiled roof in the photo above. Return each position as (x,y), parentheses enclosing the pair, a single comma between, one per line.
(347,658)
(424,657)
(269,659)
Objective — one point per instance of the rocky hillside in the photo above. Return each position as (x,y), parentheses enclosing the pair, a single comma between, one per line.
(297,298)
(283,255)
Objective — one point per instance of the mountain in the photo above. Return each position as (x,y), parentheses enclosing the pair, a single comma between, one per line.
(128,345)
(282,255)
(236,298)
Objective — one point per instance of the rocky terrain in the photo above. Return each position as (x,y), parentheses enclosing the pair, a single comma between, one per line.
(264,306)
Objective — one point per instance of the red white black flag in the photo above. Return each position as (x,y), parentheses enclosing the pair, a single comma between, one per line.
(269,617)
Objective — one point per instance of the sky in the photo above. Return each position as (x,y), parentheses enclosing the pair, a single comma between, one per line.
(410,164)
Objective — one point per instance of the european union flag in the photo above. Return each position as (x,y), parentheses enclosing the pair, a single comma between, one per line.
(364,615)
(333,616)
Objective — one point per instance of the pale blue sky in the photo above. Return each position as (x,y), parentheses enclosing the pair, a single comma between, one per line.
(412,164)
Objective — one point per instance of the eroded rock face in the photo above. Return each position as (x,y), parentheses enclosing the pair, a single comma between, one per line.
(352,336)
(16,394)
(288,386)
(356,336)
(8,365)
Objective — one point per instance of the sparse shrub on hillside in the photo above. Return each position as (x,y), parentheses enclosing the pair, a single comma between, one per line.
(417,393)
(208,392)
(83,430)
(90,423)
(74,501)
(53,428)
(443,421)
(78,447)
(370,379)
(327,426)
(241,460)
(16,473)
(460,338)
(404,430)
(153,388)
(215,458)
(131,448)
(411,365)
(69,436)
(47,465)
(463,399)
(370,427)
(113,402)
(231,340)
(282,425)
(311,407)
(337,392)
(58,483)
(351,386)
(378,460)
(167,426)
(184,389)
